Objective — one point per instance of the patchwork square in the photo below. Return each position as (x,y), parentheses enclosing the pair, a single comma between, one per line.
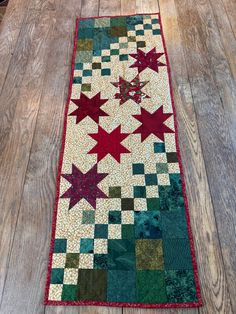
(149,254)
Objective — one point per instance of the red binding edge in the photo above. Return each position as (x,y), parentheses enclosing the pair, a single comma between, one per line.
(194,262)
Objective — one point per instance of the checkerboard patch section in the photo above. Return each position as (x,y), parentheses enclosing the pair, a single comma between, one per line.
(122,232)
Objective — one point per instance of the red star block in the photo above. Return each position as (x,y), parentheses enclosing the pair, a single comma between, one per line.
(84,185)
(109,143)
(153,123)
(89,107)
(147,60)
(130,90)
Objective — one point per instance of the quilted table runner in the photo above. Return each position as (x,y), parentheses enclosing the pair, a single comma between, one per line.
(121,230)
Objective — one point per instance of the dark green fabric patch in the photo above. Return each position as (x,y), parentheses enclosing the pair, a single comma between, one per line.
(177,254)
(100,261)
(180,286)
(138,168)
(92,284)
(115,217)
(101,231)
(86,245)
(60,245)
(173,224)
(127,231)
(151,286)
(70,293)
(171,197)
(159,147)
(121,254)
(153,203)
(147,224)
(127,204)
(121,286)
(57,276)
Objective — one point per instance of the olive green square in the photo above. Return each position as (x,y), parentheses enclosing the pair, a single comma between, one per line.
(86,87)
(132,39)
(84,44)
(92,284)
(150,285)
(96,65)
(115,192)
(149,254)
(72,260)
(141,44)
(118,31)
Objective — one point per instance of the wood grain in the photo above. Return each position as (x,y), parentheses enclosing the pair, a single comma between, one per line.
(147,6)
(15,154)
(217,38)
(9,31)
(227,36)
(230,8)
(107,7)
(34,221)
(128,7)
(35,52)
(211,270)
(89,8)
(216,140)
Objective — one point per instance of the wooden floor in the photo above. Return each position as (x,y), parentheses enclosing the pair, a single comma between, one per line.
(35,52)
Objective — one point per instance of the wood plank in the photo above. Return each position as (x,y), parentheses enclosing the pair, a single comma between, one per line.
(226,33)
(14,157)
(9,32)
(16,70)
(158,311)
(62,310)
(147,6)
(89,8)
(128,7)
(217,146)
(108,7)
(26,280)
(81,310)
(218,61)
(100,310)
(230,8)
